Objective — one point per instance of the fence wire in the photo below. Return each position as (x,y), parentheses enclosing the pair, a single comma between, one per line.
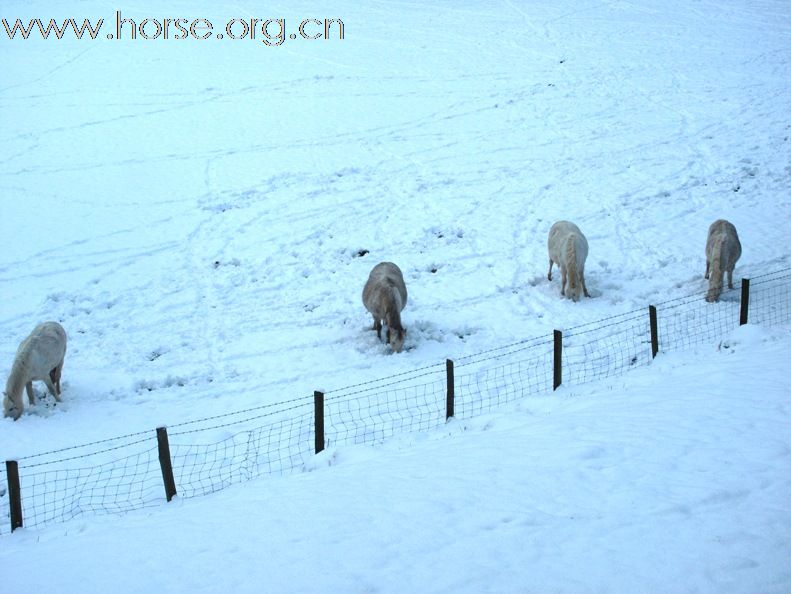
(693,321)
(595,353)
(116,486)
(277,448)
(491,387)
(769,299)
(376,414)
(125,473)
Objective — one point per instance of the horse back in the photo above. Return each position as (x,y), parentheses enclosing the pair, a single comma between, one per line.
(723,247)
(566,238)
(385,289)
(44,349)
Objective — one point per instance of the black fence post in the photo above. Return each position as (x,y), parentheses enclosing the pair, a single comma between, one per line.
(14,494)
(318,398)
(654,331)
(558,367)
(164,462)
(451,390)
(745,305)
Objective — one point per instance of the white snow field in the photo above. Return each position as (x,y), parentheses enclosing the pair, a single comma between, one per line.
(201,216)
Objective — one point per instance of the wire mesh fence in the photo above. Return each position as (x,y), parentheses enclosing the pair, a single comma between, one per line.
(769,299)
(125,473)
(376,413)
(688,322)
(495,384)
(275,448)
(591,353)
(119,485)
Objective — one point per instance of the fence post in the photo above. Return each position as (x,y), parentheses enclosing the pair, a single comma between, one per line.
(318,398)
(654,331)
(14,494)
(451,390)
(745,305)
(558,375)
(164,462)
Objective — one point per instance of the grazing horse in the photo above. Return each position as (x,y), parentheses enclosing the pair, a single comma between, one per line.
(384,296)
(568,248)
(722,250)
(39,357)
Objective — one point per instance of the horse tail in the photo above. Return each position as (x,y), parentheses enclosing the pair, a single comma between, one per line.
(571,260)
(715,271)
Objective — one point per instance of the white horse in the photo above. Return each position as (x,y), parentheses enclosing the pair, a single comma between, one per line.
(385,296)
(722,250)
(568,248)
(39,357)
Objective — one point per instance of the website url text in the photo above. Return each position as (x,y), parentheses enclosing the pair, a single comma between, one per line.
(270,32)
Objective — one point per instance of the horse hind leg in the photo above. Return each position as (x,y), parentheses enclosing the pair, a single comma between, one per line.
(51,386)
(549,274)
(55,375)
(730,279)
(707,269)
(378,327)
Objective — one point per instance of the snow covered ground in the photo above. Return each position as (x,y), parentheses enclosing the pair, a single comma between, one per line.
(678,484)
(201,217)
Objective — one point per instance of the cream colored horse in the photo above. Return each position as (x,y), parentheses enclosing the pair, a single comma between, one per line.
(568,248)
(723,249)
(385,296)
(39,357)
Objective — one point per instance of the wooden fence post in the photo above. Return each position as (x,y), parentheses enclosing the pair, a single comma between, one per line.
(318,398)
(451,389)
(558,367)
(14,494)
(654,331)
(745,304)
(164,462)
